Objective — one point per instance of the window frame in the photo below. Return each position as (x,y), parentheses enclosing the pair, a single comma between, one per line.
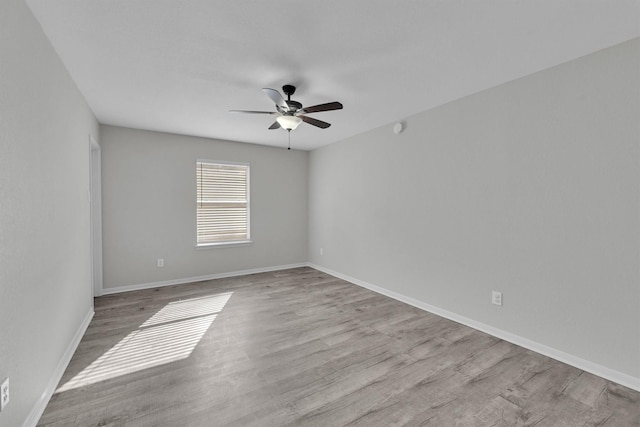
(243,242)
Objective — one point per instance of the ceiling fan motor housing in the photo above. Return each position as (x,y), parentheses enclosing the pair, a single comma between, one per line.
(294,105)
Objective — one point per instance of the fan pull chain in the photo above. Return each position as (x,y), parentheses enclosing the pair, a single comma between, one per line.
(289,132)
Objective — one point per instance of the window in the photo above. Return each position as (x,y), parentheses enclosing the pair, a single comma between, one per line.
(222,203)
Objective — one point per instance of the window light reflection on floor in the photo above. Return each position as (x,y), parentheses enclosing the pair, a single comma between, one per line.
(169,335)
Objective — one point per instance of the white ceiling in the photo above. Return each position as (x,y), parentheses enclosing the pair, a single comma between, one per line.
(180,65)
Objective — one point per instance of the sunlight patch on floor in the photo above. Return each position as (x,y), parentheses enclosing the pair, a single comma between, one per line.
(169,335)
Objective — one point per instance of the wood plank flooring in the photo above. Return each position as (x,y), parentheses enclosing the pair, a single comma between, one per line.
(301,348)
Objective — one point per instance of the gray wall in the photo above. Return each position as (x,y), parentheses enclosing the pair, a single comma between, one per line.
(149,209)
(530,188)
(45,282)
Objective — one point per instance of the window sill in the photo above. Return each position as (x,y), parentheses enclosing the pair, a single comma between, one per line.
(224,244)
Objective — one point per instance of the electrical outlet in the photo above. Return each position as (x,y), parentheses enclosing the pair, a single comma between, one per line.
(4,394)
(321,251)
(496,298)
(160,262)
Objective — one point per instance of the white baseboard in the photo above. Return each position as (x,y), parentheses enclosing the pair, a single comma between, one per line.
(141,286)
(585,365)
(41,404)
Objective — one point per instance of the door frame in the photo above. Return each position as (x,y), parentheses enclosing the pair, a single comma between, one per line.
(95,208)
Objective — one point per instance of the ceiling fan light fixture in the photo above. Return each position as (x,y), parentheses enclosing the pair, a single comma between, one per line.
(289,122)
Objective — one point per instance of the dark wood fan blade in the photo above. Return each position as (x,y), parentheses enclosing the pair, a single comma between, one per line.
(322,107)
(275,125)
(252,112)
(275,96)
(315,122)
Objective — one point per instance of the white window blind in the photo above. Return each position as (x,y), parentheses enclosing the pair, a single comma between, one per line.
(222,202)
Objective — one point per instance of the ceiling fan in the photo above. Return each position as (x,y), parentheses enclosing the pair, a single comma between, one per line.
(291,113)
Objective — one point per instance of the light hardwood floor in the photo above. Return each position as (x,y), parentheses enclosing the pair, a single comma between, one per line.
(299,347)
